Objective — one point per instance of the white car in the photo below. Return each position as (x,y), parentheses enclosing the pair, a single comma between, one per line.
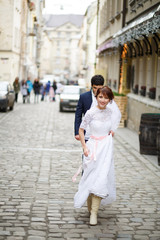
(69,97)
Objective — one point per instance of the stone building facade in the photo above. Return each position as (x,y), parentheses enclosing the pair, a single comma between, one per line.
(129,50)
(89,42)
(20,24)
(110,21)
(45,55)
(64,34)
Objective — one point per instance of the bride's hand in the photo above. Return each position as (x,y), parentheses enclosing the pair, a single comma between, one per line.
(86,151)
(111,132)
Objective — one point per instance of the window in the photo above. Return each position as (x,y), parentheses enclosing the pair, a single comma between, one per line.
(17,39)
(57,61)
(113,8)
(68,34)
(118,6)
(132,4)
(58,52)
(104,17)
(112,11)
(108,10)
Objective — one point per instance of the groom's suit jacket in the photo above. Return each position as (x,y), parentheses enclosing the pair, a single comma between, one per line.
(83,105)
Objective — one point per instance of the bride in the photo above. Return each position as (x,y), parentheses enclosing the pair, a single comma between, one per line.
(97,184)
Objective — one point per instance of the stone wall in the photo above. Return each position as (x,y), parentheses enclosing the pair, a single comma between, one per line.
(137,106)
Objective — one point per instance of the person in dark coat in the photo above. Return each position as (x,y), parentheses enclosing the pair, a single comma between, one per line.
(36,88)
(24,90)
(42,91)
(54,88)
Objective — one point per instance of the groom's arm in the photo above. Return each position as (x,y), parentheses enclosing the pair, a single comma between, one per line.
(78,117)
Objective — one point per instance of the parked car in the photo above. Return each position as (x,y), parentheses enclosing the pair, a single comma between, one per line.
(7,96)
(69,97)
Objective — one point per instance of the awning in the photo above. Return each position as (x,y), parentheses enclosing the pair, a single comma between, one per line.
(149,23)
(105,46)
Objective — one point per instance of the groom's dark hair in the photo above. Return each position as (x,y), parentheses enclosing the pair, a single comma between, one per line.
(97,80)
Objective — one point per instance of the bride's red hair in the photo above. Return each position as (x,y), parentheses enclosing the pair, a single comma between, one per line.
(106,91)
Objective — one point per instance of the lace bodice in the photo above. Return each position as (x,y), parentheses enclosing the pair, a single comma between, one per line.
(100,122)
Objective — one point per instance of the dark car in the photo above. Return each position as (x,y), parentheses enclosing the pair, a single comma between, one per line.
(7,96)
(69,97)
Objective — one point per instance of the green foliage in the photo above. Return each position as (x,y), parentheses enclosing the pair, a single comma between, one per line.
(118,94)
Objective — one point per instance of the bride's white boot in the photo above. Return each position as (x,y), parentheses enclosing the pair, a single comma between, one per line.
(89,202)
(94,209)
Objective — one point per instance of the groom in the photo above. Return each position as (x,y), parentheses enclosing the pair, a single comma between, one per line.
(87,100)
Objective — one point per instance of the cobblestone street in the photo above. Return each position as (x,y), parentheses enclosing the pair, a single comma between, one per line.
(39,156)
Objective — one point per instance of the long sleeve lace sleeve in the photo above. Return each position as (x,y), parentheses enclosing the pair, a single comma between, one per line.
(86,120)
(115,116)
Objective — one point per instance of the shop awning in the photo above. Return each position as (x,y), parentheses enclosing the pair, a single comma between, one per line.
(108,44)
(145,25)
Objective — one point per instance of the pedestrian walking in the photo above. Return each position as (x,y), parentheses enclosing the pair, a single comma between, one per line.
(54,88)
(29,89)
(47,88)
(16,86)
(42,91)
(24,90)
(36,88)
(97,184)
(51,94)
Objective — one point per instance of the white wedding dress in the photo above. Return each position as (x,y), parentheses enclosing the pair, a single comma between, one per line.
(98,177)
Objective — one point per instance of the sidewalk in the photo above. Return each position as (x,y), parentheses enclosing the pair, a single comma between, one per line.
(132,138)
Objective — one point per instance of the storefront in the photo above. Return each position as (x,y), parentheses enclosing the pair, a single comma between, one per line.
(139,45)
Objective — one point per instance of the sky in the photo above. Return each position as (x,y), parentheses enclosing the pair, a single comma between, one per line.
(66,6)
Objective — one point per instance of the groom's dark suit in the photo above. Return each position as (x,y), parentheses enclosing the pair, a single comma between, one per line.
(83,105)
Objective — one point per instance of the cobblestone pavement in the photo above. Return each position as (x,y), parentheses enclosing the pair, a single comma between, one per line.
(38,157)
